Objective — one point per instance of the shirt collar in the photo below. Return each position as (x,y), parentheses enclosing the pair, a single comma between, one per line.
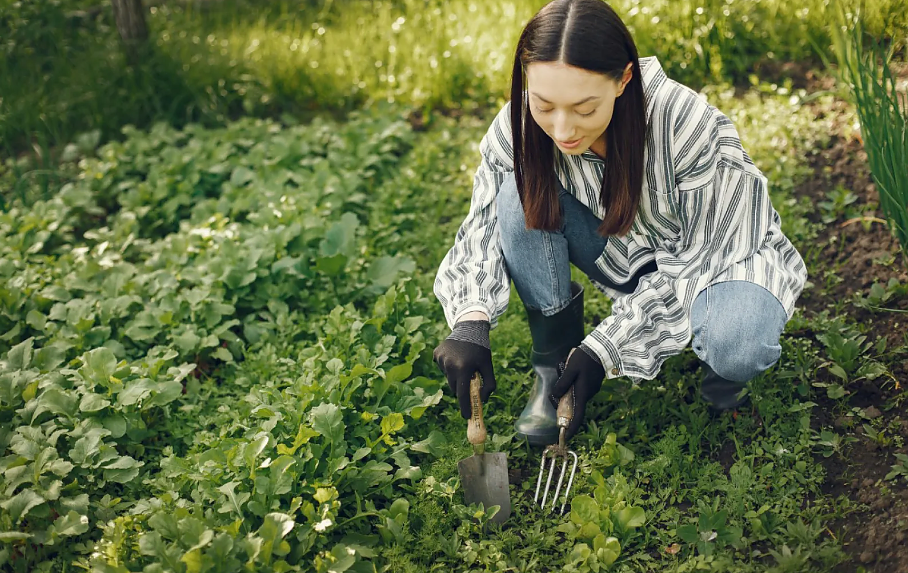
(653,78)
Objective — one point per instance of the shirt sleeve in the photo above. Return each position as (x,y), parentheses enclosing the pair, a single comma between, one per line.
(473,276)
(724,212)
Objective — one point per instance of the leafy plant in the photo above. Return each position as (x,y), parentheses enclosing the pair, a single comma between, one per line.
(72,435)
(837,205)
(129,308)
(899,469)
(847,350)
(877,435)
(710,532)
(879,295)
(831,442)
(883,112)
(600,522)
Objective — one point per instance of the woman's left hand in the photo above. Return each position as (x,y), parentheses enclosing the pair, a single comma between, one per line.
(585,374)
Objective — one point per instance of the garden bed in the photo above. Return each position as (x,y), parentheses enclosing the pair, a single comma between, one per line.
(854,253)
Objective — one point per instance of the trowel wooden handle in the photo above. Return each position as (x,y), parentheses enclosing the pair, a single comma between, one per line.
(476,428)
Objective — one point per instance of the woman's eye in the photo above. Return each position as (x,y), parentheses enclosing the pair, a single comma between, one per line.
(586,114)
(540,110)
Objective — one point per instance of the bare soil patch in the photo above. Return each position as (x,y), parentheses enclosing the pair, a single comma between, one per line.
(859,255)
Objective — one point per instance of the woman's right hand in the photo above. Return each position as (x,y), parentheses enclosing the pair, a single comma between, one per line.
(462,354)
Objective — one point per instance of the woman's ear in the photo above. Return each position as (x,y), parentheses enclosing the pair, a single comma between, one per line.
(626,77)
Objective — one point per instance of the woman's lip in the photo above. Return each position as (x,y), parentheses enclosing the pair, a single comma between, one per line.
(570,144)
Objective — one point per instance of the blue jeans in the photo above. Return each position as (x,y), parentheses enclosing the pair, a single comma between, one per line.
(736,325)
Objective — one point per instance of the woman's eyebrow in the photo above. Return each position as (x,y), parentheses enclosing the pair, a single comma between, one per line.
(591,98)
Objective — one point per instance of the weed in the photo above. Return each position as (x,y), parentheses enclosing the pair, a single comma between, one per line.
(711,531)
(837,205)
(899,469)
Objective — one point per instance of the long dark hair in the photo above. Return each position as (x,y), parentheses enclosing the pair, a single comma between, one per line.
(585,34)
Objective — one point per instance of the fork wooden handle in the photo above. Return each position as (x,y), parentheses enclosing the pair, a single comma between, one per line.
(565,411)
(476,428)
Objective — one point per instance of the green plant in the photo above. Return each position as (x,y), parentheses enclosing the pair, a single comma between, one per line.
(127,311)
(600,523)
(880,295)
(710,532)
(832,443)
(900,468)
(877,435)
(883,112)
(848,353)
(837,205)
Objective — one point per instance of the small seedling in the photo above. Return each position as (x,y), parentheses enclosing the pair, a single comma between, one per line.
(838,205)
(711,532)
(845,348)
(879,437)
(832,443)
(899,469)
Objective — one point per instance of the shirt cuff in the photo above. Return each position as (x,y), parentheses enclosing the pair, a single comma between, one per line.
(607,352)
(471,308)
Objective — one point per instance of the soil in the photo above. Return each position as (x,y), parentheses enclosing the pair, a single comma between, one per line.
(874,536)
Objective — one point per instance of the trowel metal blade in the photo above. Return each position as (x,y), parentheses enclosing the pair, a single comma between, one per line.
(485,479)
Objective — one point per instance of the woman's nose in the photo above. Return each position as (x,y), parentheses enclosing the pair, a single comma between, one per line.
(564,129)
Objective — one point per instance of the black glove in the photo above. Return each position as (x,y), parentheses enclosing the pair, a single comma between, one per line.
(584,372)
(462,354)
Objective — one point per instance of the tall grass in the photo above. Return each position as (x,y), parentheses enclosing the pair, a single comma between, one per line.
(432,53)
(210,61)
(457,53)
(62,74)
(882,108)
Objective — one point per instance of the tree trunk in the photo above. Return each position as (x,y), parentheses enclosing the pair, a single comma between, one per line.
(130,18)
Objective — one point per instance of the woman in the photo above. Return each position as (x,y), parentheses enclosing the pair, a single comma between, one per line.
(602,161)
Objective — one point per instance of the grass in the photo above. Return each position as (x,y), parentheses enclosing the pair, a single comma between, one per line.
(63,75)
(881,101)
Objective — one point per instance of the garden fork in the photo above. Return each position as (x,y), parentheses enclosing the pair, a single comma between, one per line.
(565,413)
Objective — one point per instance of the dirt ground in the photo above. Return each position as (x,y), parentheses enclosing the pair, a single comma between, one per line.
(875,535)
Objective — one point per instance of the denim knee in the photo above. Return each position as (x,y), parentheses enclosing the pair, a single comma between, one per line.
(739,352)
(736,329)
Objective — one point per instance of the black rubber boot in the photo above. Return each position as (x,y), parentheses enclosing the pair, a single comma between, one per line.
(553,338)
(720,394)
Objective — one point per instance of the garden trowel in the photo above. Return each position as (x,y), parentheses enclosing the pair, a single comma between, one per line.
(484,476)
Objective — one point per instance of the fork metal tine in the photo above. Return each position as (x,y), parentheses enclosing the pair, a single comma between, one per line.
(556,454)
(560,481)
(539,479)
(548,482)
(570,481)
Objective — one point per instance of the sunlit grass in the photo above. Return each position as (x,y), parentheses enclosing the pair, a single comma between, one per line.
(456,54)
(214,61)
(425,53)
(881,101)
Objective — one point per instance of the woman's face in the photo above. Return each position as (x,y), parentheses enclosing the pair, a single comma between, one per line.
(572,105)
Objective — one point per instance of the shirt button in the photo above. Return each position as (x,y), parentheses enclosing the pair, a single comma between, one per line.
(614,371)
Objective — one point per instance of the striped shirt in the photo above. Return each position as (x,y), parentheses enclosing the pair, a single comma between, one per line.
(705,217)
